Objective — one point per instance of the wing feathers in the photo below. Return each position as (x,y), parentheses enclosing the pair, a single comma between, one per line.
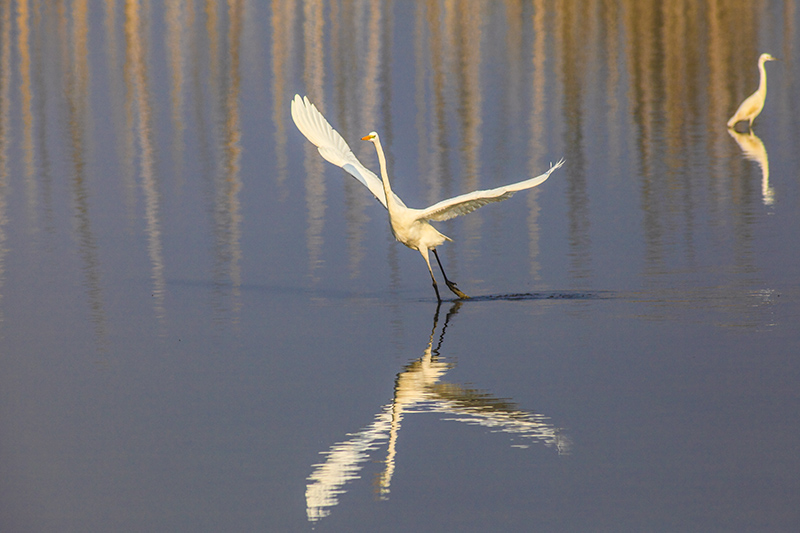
(469,202)
(332,147)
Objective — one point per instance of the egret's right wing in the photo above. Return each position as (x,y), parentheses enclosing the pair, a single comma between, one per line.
(469,202)
(332,147)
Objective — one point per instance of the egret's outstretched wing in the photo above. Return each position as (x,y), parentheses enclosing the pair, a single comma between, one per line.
(332,147)
(467,203)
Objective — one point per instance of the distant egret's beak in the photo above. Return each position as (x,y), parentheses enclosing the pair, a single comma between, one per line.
(366,138)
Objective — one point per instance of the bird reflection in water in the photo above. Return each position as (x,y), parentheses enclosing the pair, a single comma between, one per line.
(418,389)
(754,150)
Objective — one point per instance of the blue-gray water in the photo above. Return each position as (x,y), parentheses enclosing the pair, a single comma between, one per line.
(206,327)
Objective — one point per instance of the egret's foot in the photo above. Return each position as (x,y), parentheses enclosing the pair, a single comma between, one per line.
(452,286)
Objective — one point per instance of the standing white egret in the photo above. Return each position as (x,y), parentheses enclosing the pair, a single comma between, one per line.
(754,103)
(409,226)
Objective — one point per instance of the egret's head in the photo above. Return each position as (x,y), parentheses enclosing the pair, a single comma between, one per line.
(372,136)
(767,57)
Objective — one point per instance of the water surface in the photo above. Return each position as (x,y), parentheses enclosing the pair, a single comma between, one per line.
(204,326)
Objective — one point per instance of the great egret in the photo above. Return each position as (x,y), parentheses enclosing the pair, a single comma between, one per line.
(410,226)
(754,103)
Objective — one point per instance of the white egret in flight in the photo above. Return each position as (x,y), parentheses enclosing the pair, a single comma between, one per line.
(754,103)
(410,226)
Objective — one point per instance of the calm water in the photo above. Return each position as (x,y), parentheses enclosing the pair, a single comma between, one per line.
(206,327)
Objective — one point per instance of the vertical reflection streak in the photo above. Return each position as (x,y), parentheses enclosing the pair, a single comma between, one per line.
(231,184)
(313,33)
(511,110)
(421,51)
(283,14)
(5,131)
(537,128)
(40,109)
(438,169)
(175,43)
(128,139)
(680,93)
(573,26)
(469,29)
(121,110)
(725,84)
(611,50)
(369,92)
(76,89)
(136,65)
(26,104)
(644,27)
(211,146)
(721,105)
(785,100)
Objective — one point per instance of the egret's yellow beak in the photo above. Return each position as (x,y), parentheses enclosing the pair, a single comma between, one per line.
(366,138)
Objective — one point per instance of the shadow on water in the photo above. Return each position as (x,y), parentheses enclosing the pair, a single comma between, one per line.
(547,295)
(419,388)
(344,294)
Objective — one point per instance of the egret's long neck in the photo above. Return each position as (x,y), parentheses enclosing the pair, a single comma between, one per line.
(762,81)
(387,187)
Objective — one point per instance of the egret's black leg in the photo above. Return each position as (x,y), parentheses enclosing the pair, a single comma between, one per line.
(435,287)
(424,252)
(450,284)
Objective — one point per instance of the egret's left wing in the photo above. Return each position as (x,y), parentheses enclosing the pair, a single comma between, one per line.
(469,202)
(332,146)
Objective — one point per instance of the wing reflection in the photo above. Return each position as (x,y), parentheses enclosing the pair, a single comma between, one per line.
(418,389)
(754,150)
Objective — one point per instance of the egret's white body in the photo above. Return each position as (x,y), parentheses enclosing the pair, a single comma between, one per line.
(410,226)
(753,104)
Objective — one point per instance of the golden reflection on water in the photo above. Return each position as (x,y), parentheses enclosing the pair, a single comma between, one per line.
(313,74)
(139,99)
(76,84)
(574,25)
(362,98)
(465,38)
(227,212)
(283,17)
(176,22)
(419,388)
(5,125)
(537,125)
(26,97)
(658,69)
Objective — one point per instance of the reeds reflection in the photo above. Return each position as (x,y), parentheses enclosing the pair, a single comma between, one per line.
(139,100)
(419,388)
(26,97)
(5,104)
(76,86)
(55,44)
(646,83)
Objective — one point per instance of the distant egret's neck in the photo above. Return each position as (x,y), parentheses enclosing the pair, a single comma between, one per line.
(762,81)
